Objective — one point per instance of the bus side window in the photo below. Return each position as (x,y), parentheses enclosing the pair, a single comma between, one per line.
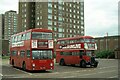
(22,53)
(23,37)
(81,54)
(81,40)
(61,53)
(28,36)
(28,53)
(13,53)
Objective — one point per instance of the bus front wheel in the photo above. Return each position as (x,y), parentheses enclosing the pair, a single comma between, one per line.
(83,64)
(24,66)
(62,62)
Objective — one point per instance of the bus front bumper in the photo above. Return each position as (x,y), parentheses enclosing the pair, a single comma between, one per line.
(93,63)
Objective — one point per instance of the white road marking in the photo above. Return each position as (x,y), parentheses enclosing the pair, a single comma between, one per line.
(69,77)
(107,67)
(91,74)
(55,73)
(82,70)
(1,74)
(23,71)
(114,77)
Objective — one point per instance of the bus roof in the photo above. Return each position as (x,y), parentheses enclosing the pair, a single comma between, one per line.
(73,38)
(33,30)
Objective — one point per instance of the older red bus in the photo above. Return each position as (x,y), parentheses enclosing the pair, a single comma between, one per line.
(76,50)
(32,50)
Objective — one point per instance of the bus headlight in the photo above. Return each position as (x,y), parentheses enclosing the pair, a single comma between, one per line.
(51,64)
(33,65)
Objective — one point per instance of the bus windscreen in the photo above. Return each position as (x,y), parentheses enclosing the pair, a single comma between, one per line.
(41,54)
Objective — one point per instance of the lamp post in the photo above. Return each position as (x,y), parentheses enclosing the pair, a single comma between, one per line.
(107,41)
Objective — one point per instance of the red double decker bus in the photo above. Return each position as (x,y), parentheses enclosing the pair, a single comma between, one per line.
(32,50)
(76,50)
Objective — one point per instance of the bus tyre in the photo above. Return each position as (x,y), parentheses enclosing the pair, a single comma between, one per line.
(83,64)
(24,66)
(96,64)
(62,62)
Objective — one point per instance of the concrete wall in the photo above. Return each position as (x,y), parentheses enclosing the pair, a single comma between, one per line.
(4,47)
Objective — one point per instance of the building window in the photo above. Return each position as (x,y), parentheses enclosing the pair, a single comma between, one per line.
(55,23)
(60,19)
(70,5)
(74,21)
(74,11)
(60,29)
(74,16)
(38,23)
(63,8)
(49,4)
(70,31)
(82,22)
(55,17)
(74,27)
(70,15)
(82,32)
(60,35)
(24,15)
(70,10)
(66,9)
(37,18)
(49,10)
(82,27)
(70,20)
(60,7)
(40,17)
(74,31)
(81,13)
(25,20)
(49,16)
(55,6)
(81,3)
(74,6)
(55,29)
(49,22)
(49,27)
(82,18)
(81,8)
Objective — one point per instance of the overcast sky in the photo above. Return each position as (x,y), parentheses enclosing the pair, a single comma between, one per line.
(101,16)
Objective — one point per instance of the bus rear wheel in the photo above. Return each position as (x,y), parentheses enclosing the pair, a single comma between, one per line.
(83,64)
(24,66)
(62,62)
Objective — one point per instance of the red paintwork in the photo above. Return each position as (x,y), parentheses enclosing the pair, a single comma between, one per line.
(39,64)
(72,59)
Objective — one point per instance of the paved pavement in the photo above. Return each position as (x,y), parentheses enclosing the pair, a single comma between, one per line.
(107,68)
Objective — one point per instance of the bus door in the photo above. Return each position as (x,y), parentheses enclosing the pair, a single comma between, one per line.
(82,54)
(28,59)
(17,60)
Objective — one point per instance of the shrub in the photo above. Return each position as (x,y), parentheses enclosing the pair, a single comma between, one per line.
(105,54)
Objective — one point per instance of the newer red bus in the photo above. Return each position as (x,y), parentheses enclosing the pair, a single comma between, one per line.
(32,50)
(76,50)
